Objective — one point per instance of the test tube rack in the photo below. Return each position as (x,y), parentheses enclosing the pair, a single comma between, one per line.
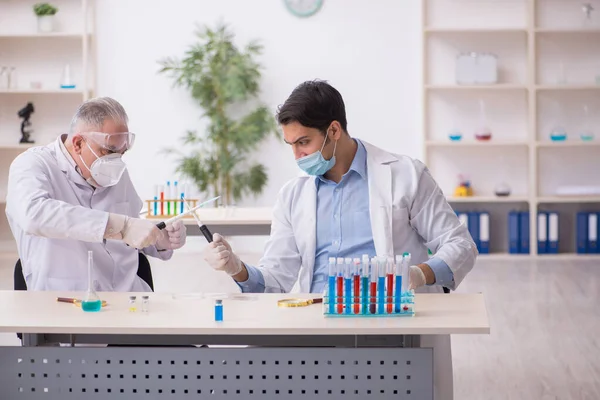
(369,306)
(175,206)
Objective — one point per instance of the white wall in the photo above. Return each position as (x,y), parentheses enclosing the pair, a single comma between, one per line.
(369,50)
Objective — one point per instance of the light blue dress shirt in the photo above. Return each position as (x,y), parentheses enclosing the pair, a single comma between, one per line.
(343,227)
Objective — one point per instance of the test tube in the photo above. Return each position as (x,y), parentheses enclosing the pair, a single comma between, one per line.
(132,305)
(145,301)
(348,284)
(156,195)
(162,200)
(381,285)
(390,284)
(218,310)
(365,284)
(405,276)
(340,285)
(174,197)
(332,275)
(356,281)
(169,195)
(398,287)
(373,287)
(182,196)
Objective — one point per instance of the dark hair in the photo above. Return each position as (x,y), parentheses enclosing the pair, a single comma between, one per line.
(314,104)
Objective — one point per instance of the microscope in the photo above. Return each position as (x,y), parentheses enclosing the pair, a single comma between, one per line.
(25,113)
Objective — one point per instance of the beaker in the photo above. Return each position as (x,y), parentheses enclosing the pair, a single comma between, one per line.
(91,302)
(586,133)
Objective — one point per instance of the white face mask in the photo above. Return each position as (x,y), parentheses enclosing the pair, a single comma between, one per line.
(106,170)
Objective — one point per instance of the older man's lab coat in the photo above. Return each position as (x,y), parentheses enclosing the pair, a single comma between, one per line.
(408,213)
(56,217)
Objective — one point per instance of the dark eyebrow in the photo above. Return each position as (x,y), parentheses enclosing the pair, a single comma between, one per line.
(297,140)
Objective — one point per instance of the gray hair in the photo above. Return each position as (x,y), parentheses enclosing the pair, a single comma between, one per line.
(94,112)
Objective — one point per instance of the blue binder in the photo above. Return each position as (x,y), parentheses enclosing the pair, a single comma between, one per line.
(484,232)
(542,232)
(593,233)
(553,233)
(474,228)
(513,232)
(524,234)
(582,232)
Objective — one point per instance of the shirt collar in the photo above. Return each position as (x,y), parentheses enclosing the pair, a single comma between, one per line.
(359,163)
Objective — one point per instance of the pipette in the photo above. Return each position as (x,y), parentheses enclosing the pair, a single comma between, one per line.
(203,228)
(163,225)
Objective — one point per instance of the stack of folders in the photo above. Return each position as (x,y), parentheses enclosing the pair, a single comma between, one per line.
(588,230)
(547,226)
(478,224)
(518,232)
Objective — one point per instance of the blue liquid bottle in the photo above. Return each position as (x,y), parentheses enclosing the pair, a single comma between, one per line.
(91,302)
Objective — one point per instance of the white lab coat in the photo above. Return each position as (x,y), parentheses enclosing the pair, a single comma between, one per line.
(56,217)
(408,213)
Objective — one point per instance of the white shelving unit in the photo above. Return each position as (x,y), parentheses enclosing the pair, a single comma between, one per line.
(548,61)
(40,58)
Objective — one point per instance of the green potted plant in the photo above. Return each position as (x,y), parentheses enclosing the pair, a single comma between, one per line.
(45,16)
(223,80)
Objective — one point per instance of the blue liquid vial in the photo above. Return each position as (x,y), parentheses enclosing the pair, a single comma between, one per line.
(218,310)
(91,306)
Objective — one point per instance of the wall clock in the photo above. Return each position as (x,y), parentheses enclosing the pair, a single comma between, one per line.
(303,8)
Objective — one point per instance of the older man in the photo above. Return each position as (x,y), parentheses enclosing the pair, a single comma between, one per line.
(74,196)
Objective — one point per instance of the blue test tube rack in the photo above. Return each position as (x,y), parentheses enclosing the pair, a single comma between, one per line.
(364,302)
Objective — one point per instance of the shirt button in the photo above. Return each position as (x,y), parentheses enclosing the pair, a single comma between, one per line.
(337,189)
(335,242)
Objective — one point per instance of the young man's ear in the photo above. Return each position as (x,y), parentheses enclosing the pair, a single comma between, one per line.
(335,130)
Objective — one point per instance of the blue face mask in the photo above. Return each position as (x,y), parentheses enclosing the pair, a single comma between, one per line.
(315,164)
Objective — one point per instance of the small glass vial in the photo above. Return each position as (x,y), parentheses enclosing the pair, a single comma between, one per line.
(218,310)
(145,300)
(132,304)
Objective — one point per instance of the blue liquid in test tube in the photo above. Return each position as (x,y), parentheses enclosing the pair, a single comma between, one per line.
(182,197)
(381,286)
(331,294)
(398,288)
(365,284)
(348,285)
(156,194)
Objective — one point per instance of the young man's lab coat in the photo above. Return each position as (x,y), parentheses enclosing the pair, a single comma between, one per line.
(408,212)
(56,217)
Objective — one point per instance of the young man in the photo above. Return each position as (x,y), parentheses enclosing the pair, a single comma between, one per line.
(74,196)
(358,199)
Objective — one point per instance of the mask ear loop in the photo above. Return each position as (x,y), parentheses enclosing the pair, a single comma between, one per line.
(334,145)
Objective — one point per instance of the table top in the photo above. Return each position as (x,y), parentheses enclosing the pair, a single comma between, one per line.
(233,216)
(244,314)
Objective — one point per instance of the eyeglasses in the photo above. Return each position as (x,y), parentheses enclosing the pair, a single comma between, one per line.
(113,142)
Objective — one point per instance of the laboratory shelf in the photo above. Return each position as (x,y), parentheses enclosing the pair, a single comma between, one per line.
(474,143)
(35,35)
(569,143)
(569,199)
(488,199)
(499,86)
(566,31)
(475,30)
(567,87)
(41,91)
